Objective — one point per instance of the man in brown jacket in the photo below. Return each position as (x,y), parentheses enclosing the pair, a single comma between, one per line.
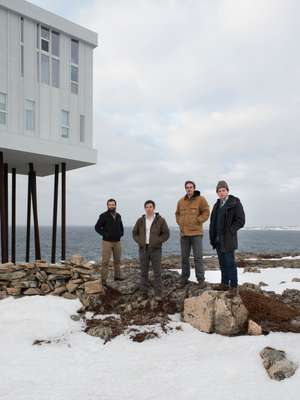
(192,211)
(150,232)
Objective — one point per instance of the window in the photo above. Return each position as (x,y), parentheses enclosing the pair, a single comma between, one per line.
(22,30)
(22,60)
(22,46)
(65,124)
(55,43)
(45,39)
(55,72)
(3,109)
(47,55)
(74,52)
(45,69)
(82,128)
(74,66)
(29,115)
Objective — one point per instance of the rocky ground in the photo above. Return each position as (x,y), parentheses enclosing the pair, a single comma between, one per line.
(119,307)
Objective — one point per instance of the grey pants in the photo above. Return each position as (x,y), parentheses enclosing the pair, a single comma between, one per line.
(188,243)
(150,255)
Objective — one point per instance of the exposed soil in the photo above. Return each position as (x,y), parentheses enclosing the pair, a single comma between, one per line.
(269,312)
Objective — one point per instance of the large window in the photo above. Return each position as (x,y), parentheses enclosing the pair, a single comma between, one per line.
(74,66)
(45,69)
(22,46)
(29,115)
(48,56)
(65,124)
(3,109)
(82,128)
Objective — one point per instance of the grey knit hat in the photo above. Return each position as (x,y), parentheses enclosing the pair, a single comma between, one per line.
(222,184)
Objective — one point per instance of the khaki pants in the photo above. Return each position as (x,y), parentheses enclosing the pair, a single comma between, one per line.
(107,249)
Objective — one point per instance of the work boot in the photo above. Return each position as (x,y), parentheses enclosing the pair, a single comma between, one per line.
(222,287)
(201,283)
(232,292)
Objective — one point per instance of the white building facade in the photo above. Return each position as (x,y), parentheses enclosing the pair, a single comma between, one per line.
(46,89)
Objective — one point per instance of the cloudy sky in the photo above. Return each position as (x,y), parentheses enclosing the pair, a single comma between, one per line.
(194,89)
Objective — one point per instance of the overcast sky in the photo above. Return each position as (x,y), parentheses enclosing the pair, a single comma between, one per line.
(201,90)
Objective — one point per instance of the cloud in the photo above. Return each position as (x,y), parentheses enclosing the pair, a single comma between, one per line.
(195,89)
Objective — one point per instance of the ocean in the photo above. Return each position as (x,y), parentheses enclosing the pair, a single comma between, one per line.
(84,240)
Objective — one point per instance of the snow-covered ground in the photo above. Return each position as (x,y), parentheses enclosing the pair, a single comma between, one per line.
(272,276)
(185,365)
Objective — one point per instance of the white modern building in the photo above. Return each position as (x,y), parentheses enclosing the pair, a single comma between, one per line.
(46,89)
(46,108)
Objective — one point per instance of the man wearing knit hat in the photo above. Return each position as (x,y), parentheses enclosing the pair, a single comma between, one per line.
(226,219)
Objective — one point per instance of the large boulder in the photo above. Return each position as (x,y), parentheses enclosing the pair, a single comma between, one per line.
(213,312)
(276,364)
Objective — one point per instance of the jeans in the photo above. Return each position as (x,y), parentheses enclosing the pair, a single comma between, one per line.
(107,249)
(228,267)
(187,243)
(149,255)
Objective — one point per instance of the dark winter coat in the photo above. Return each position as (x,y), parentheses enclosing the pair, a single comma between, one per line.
(233,220)
(110,228)
(159,232)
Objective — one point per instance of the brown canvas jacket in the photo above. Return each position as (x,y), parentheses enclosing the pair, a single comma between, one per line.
(191,214)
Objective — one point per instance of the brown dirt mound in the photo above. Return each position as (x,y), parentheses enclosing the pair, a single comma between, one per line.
(271,313)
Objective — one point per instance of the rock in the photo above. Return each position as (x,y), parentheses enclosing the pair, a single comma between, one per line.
(93,287)
(296,280)
(254,329)
(45,288)
(9,276)
(41,276)
(59,271)
(54,277)
(32,291)
(59,290)
(69,296)
(13,291)
(262,284)
(24,284)
(5,267)
(75,317)
(72,286)
(212,312)
(77,259)
(276,364)
(3,294)
(252,269)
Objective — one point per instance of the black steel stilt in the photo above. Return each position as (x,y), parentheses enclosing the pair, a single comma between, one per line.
(6,207)
(3,210)
(35,216)
(54,222)
(13,215)
(28,216)
(63,211)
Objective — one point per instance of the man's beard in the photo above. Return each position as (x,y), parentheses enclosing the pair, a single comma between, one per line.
(112,209)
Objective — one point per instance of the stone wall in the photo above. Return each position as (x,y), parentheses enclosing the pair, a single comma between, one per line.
(70,279)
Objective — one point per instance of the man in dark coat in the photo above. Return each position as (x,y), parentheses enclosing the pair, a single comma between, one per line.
(150,232)
(110,227)
(227,218)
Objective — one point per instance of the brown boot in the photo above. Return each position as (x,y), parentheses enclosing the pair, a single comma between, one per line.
(222,287)
(232,292)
